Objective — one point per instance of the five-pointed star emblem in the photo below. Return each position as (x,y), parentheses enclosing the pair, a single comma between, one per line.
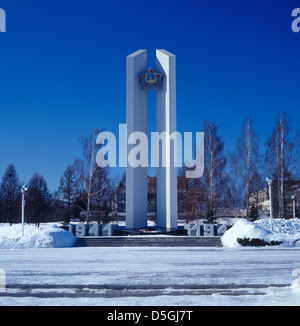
(151,79)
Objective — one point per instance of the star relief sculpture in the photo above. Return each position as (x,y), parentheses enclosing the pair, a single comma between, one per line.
(151,79)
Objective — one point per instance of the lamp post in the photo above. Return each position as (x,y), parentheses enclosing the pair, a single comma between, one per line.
(269,181)
(294,209)
(23,189)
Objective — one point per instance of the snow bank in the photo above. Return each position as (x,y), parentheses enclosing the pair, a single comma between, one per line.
(48,236)
(285,231)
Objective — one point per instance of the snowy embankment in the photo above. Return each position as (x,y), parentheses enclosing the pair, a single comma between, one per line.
(45,236)
(285,231)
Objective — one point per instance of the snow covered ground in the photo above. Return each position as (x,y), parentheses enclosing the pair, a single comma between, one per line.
(50,235)
(151,276)
(285,231)
(46,236)
(39,269)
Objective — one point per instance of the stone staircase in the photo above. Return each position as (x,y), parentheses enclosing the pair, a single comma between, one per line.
(148,241)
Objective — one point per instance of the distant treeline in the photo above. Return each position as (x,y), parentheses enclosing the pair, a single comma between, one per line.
(87,191)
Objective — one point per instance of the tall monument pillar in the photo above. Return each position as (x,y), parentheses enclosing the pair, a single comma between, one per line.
(139,79)
(166,122)
(136,118)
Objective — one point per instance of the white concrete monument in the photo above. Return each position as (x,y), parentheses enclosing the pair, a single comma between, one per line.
(139,79)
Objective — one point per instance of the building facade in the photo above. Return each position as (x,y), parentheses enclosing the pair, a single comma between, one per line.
(262,200)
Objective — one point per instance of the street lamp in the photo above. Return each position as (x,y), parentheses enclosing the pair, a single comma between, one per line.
(269,181)
(294,210)
(23,189)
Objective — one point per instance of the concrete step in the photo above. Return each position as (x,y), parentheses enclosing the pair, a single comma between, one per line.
(149,241)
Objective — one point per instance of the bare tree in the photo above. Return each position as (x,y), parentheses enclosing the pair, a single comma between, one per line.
(88,170)
(38,199)
(119,196)
(297,160)
(190,196)
(10,200)
(278,157)
(68,191)
(244,163)
(215,163)
(103,193)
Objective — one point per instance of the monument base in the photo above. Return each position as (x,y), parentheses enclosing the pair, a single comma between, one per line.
(146,241)
(150,231)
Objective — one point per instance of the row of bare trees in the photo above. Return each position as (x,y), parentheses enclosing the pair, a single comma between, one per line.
(230,180)
(85,187)
(39,205)
(282,160)
(87,191)
(84,191)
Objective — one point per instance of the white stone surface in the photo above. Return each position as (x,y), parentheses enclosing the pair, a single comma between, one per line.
(166,122)
(136,118)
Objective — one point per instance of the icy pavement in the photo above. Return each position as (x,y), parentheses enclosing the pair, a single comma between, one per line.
(151,276)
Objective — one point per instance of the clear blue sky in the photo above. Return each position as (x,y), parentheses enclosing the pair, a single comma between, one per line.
(63,70)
